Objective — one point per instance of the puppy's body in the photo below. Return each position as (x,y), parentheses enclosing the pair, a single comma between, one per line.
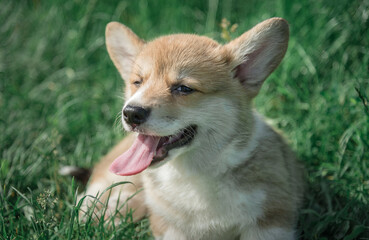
(222,173)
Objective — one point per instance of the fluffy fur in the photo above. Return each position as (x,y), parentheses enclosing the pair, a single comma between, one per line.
(237,179)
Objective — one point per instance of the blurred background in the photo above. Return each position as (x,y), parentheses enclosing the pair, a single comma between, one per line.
(60,98)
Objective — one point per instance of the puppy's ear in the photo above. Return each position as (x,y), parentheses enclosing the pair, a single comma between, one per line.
(123,46)
(257,52)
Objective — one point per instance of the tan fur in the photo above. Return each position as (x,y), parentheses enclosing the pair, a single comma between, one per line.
(238,179)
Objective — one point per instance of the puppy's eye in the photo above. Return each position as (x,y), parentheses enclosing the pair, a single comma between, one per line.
(138,83)
(182,90)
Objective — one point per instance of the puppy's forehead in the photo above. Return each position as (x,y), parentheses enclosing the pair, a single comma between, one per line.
(180,53)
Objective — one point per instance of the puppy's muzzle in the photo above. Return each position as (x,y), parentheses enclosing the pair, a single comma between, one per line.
(135,115)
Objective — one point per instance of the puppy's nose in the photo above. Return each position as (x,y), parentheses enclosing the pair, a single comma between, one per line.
(135,115)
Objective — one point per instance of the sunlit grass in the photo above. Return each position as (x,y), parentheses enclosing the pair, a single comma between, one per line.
(60,96)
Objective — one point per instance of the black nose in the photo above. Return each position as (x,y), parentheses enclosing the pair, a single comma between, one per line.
(134,115)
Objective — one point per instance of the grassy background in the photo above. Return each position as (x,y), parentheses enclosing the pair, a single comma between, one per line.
(60,96)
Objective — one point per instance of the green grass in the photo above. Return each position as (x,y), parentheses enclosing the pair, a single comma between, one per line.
(60,96)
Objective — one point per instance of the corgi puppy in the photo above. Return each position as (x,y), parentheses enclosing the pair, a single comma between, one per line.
(209,166)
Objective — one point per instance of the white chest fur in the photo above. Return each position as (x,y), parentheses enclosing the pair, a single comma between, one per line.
(199,205)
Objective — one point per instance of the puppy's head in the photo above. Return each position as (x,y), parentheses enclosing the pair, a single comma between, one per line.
(186,91)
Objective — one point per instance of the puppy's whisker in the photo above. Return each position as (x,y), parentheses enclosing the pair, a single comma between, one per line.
(118,121)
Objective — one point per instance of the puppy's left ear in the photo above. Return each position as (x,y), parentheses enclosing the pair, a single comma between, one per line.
(258,52)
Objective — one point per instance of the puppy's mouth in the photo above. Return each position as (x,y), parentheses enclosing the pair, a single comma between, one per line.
(167,143)
(149,150)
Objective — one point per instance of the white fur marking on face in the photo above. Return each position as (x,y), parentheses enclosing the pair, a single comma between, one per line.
(136,99)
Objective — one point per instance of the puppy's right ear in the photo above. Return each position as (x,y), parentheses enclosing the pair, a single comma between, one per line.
(123,46)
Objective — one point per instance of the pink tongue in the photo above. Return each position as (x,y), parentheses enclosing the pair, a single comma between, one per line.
(137,158)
